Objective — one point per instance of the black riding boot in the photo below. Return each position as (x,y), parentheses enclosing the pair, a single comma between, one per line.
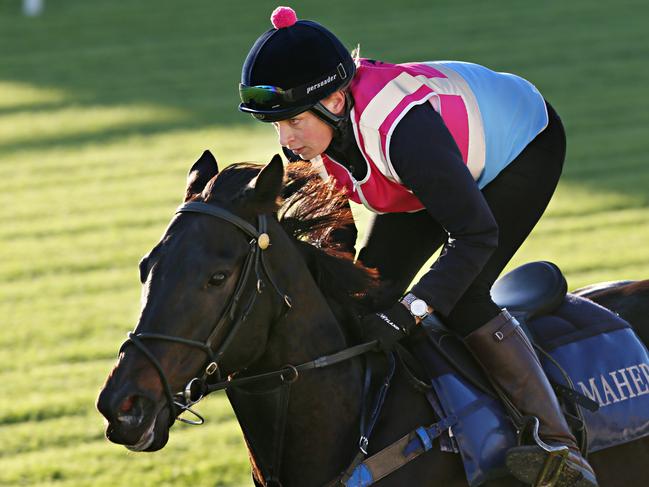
(506,354)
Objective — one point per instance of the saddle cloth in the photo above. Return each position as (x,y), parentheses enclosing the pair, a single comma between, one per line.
(604,359)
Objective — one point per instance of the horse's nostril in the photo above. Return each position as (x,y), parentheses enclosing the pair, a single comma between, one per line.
(131,411)
(127,404)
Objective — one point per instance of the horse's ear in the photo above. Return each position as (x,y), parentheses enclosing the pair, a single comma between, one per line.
(204,169)
(268,183)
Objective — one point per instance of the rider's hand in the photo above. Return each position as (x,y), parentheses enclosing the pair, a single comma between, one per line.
(389,326)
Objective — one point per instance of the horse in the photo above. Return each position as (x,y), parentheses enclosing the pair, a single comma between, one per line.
(248,281)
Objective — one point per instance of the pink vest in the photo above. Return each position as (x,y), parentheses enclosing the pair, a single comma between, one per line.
(383,94)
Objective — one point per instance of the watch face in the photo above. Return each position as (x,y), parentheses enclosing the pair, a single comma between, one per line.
(419,307)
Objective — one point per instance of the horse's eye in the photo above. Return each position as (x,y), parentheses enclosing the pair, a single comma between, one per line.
(218,278)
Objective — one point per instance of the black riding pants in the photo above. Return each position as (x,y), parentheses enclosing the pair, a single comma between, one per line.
(399,244)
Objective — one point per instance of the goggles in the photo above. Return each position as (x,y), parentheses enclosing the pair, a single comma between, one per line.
(272,97)
(265,96)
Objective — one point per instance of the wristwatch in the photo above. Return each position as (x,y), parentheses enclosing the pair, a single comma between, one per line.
(417,307)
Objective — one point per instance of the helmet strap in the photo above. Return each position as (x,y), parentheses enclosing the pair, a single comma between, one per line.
(330,118)
(324,114)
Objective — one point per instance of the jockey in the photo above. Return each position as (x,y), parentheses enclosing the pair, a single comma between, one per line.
(444,153)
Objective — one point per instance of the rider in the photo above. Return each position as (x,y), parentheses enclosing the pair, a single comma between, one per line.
(445,153)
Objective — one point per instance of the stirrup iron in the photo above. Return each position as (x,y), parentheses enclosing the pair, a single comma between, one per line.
(554,463)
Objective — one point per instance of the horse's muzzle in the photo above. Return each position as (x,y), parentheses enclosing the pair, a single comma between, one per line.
(133,419)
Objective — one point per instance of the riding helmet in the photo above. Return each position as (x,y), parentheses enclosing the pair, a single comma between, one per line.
(291,67)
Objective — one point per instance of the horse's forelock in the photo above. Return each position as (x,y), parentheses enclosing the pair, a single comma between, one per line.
(231,184)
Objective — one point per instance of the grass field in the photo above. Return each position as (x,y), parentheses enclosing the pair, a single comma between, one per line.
(104,106)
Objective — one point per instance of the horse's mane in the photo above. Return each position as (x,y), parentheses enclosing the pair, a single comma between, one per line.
(311,211)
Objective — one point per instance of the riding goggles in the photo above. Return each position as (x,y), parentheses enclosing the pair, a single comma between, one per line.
(266,97)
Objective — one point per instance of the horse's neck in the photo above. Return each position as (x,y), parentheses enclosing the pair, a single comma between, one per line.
(322,420)
(309,328)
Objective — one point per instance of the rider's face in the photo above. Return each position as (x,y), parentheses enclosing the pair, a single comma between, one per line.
(307,135)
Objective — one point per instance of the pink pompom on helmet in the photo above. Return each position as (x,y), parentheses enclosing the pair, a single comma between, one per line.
(283,17)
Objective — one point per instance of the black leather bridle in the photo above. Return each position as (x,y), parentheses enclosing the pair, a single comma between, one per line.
(235,312)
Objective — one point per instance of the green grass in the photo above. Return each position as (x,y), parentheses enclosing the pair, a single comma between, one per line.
(105,105)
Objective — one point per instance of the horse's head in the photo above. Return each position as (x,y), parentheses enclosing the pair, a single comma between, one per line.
(201,299)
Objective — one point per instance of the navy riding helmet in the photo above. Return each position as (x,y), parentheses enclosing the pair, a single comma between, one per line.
(291,67)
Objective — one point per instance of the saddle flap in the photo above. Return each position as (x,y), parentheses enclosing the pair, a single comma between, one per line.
(533,289)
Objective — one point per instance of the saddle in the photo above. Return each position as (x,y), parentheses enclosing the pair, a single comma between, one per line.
(597,365)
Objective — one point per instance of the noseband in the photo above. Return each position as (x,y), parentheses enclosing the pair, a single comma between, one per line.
(236,312)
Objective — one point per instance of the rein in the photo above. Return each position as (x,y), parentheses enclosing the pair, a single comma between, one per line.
(319,363)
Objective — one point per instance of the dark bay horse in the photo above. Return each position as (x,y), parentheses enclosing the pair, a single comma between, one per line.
(241,295)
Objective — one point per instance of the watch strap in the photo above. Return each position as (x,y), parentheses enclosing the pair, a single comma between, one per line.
(410,298)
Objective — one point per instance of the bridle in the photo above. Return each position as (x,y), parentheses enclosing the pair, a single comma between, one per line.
(235,312)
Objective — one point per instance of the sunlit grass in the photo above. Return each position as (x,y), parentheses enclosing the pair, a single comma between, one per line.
(59,123)
(71,451)
(16,95)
